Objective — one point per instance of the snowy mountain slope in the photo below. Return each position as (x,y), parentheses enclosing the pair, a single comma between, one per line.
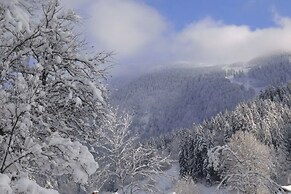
(177,98)
(261,72)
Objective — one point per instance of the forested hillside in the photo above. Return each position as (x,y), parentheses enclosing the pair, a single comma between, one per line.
(247,149)
(263,71)
(177,98)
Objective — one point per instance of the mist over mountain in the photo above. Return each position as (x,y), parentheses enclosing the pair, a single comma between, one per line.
(262,71)
(175,98)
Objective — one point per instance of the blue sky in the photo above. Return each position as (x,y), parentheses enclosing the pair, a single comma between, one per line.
(254,13)
(147,34)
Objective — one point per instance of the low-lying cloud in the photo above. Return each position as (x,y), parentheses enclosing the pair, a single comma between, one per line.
(210,41)
(125,27)
(142,38)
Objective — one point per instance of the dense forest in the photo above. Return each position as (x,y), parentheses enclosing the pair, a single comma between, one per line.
(247,149)
(163,101)
(172,99)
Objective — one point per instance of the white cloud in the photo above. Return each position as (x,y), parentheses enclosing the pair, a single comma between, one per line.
(142,38)
(75,4)
(210,41)
(125,27)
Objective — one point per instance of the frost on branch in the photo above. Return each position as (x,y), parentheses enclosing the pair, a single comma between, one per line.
(17,13)
(76,159)
(52,100)
(125,164)
(246,165)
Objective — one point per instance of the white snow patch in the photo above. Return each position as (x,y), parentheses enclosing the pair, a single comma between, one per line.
(58,60)
(287,188)
(97,94)
(78,101)
(23,186)
(5,184)
(76,157)
(27,186)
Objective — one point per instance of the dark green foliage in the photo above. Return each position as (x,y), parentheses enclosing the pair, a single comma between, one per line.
(193,157)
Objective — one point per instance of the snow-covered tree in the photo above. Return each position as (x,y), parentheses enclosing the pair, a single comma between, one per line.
(125,164)
(246,165)
(267,119)
(193,154)
(52,101)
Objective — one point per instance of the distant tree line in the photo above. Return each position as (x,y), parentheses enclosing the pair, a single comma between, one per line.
(165,101)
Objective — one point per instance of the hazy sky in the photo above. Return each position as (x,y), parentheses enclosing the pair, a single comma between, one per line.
(150,33)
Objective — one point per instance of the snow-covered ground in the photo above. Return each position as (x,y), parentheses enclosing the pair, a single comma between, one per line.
(244,80)
(168,184)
